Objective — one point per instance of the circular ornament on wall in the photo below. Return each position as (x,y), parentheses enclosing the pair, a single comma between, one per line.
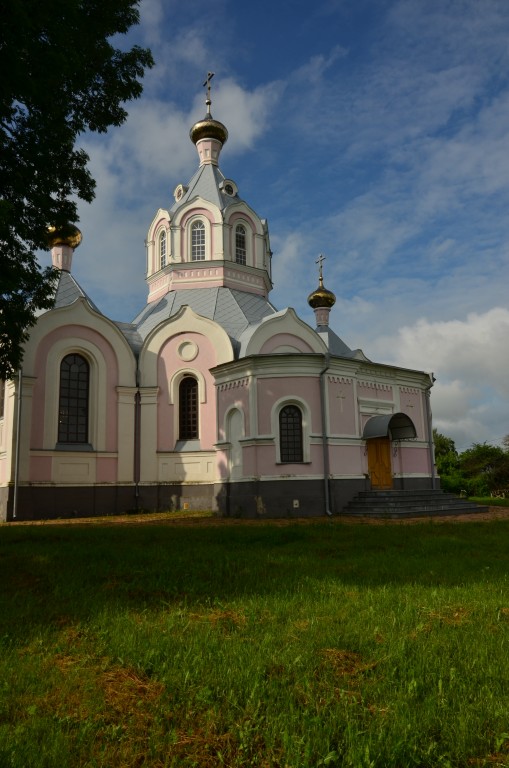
(187,351)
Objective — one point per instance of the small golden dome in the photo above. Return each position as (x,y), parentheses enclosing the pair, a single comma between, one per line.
(208,128)
(321,297)
(67,234)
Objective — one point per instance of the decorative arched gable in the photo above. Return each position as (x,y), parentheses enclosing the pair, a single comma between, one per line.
(184,322)
(282,332)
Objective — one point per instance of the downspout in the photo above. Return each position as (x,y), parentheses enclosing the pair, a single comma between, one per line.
(137,452)
(18,444)
(326,467)
(427,395)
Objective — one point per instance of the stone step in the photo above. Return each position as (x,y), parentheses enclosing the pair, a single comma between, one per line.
(400,504)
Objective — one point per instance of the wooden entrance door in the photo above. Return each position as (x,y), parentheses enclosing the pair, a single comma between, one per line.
(379,462)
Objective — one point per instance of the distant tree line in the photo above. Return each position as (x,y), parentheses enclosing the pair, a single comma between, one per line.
(481,470)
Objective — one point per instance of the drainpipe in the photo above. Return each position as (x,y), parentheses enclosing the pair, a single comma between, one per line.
(18,444)
(137,453)
(324,436)
(430,430)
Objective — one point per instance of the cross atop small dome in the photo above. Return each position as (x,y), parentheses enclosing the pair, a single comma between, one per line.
(208,130)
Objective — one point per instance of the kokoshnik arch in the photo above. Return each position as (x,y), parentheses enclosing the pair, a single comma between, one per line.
(210,398)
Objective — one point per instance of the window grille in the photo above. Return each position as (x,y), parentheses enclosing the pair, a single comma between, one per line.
(240,244)
(73,400)
(290,434)
(188,408)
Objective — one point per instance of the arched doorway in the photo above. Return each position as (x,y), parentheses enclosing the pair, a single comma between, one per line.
(379,432)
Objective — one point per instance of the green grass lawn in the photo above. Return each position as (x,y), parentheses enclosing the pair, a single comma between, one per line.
(326,644)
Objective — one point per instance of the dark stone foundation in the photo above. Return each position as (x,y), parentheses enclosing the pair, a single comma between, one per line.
(291,498)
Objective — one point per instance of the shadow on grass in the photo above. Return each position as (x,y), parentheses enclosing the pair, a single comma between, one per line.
(50,576)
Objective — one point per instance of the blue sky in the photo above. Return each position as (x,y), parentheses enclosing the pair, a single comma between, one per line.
(375,132)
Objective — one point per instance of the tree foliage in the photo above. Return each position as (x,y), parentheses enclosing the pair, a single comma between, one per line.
(61,76)
(479,470)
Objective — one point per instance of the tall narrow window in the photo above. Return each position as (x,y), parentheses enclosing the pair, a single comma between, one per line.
(73,400)
(290,434)
(188,408)
(162,249)
(240,244)
(198,241)
(2,398)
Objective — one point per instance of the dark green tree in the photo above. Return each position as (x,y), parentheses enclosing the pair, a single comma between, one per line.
(61,75)
(487,467)
(447,462)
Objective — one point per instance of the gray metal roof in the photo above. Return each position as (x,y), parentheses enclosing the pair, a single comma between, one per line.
(398,426)
(337,346)
(131,334)
(205,184)
(232,310)
(68,291)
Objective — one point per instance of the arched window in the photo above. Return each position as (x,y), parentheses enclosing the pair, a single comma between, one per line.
(240,244)
(290,434)
(73,400)
(162,249)
(198,241)
(188,408)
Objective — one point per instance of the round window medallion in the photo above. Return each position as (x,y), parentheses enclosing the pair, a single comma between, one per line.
(187,351)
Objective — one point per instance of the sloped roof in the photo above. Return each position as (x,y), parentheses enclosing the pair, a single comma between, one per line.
(337,346)
(131,334)
(68,291)
(205,183)
(232,310)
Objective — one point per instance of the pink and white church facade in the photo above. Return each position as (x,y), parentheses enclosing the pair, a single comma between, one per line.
(210,398)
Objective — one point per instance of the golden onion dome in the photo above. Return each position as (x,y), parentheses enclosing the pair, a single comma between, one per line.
(67,234)
(208,128)
(321,297)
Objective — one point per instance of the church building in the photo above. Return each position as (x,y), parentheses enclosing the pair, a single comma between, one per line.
(211,398)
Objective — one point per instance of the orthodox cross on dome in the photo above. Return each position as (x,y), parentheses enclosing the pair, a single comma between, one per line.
(206,84)
(320,261)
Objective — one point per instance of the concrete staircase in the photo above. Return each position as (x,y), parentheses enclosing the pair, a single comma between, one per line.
(401,504)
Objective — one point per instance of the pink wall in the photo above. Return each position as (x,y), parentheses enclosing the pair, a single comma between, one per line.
(342,406)
(266,463)
(410,403)
(74,333)
(235,394)
(411,461)
(272,389)
(106,470)
(169,363)
(374,391)
(40,469)
(347,460)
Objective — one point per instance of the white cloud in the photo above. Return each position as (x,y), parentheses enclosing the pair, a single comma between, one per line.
(471,362)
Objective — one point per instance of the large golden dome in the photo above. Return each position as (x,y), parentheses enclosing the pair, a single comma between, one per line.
(67,234)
